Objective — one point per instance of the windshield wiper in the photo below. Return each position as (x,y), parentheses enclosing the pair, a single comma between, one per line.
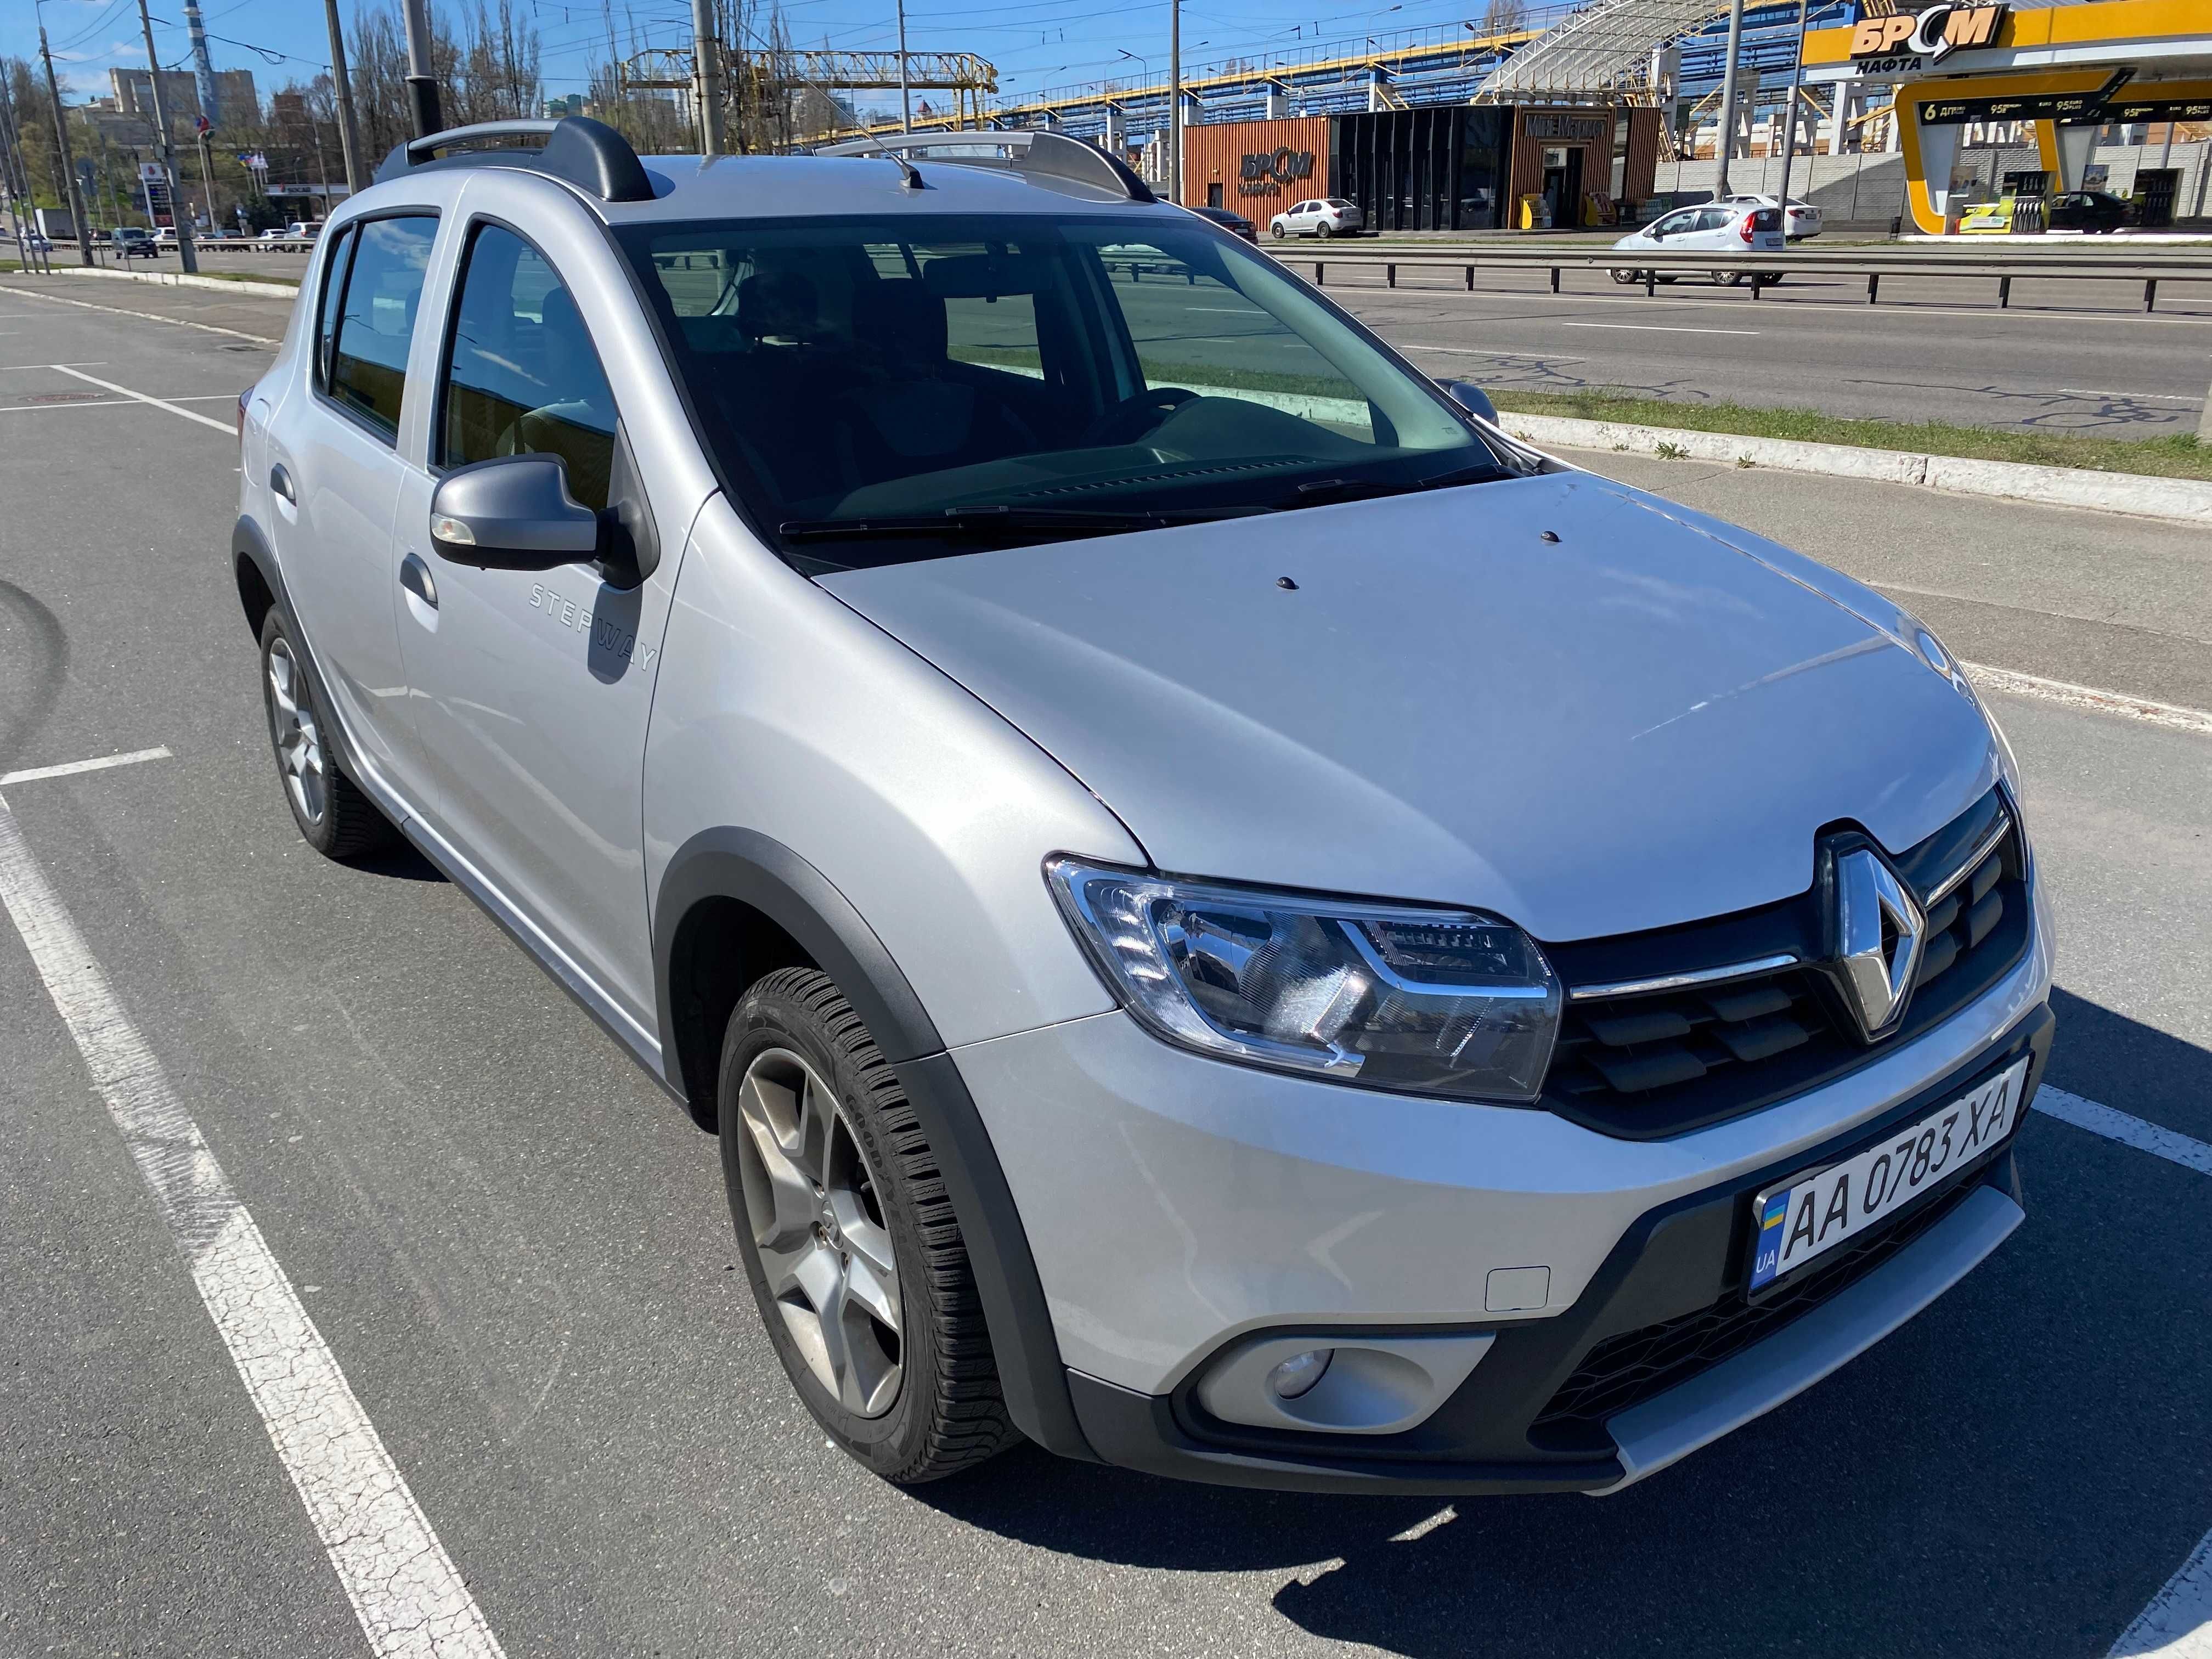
(985,523)
(1318,492)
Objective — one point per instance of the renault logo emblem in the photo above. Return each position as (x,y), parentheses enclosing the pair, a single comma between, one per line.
(1879,932)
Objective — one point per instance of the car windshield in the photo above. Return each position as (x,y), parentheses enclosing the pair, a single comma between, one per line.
(884,390)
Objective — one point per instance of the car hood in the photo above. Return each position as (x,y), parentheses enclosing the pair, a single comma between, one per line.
(1645,722)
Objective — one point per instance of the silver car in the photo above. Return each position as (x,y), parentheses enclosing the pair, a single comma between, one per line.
(1230,919)
(1729,226)
(1321,217)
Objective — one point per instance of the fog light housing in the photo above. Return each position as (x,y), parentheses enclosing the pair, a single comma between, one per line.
(1297,1374)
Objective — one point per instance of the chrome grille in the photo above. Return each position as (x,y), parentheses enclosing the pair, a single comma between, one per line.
(1645,1058)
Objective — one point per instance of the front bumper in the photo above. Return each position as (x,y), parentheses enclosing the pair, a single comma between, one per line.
(1176,1205)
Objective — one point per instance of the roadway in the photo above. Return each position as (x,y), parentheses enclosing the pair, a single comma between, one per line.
(518,1252)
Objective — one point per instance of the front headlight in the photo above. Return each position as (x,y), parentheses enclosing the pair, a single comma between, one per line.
(1439,1002)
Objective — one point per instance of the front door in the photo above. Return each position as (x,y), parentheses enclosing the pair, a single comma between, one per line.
(531,689)
(334,477)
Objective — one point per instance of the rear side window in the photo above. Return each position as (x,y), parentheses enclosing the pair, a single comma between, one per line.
(522,377)
(327,327)
(376,318)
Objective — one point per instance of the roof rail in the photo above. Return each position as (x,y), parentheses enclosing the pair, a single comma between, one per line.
(587,154)
(1052,154)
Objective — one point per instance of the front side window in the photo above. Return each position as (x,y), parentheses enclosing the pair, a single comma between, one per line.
(522,377)
(376,319)
(884,390)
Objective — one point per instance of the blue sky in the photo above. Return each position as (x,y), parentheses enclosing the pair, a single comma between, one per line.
(1035,44)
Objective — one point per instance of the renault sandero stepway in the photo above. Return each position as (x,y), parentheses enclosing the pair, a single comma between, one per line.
(1230,918)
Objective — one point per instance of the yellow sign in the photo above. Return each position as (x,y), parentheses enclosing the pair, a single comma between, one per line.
(1903,39)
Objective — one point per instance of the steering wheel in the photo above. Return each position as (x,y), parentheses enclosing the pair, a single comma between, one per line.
(1133,417)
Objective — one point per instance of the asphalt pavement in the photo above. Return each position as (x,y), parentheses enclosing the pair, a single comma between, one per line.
(518,1251)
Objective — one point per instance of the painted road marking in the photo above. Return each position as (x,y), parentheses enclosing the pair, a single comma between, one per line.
(2171,716)
(228,429)
(155,317)
(406,1590)
(1657,328)
(71,769)
(92,402)
(2137,396)
(2145,1137)
(2178,1623)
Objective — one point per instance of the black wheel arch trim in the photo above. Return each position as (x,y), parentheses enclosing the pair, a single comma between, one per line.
(761,872)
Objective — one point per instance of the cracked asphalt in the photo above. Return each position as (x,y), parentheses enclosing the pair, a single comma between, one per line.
(517,1249)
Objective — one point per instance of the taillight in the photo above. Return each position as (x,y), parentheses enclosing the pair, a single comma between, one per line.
(1746,232)
(243,398)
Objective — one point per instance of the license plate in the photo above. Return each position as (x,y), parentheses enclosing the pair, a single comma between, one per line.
(1814,1211)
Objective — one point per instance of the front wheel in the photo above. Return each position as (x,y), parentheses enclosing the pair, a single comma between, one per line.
(1724,278)
(1276,231)
(855,1255)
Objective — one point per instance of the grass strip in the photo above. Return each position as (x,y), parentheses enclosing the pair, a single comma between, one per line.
(2178,455)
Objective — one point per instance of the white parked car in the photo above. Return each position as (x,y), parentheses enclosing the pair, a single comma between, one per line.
(1710,228)
(1804,217)
(1323,216)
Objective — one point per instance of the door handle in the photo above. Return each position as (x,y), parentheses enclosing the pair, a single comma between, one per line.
(415,577)
(280,481)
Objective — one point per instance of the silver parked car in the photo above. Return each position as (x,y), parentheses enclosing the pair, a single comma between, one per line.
(1230,918)
(1712,228)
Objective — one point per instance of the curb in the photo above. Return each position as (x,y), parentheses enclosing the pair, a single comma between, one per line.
(2181,500)
(252,286)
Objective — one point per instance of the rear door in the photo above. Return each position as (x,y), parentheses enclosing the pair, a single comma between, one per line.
(334,471)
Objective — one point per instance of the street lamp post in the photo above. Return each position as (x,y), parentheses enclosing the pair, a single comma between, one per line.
(1728,97)
(1789,121)
(906,104)
(1174,101)
(179,215)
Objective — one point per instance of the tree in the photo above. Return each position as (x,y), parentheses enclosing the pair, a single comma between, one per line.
(1504,17)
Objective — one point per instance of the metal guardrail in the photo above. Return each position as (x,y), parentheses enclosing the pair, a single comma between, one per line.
(1993,264)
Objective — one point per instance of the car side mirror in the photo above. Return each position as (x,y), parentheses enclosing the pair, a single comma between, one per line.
(513,513)
(1470,398)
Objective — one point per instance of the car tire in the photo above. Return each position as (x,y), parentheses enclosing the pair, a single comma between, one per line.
(1321,233)
(1276,231)
(1725,279)
(1625,278)
(821,1145)
(333,816)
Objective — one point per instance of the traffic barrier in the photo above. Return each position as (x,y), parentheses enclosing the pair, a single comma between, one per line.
(2004,268)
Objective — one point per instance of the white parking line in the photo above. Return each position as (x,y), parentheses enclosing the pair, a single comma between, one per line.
(2145,1137)
(228,429)
(2178,1623)
(1649,328)
(2132,708)
(410,1598)
(156,317)
(71,769)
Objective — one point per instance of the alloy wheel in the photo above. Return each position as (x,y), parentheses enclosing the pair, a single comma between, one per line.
(817,1222)
(299,738)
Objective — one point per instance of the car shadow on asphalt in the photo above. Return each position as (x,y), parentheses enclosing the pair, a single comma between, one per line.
(398,859)
(2014,1473)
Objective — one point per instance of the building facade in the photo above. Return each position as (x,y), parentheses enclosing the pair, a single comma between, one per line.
(133,90)
(1445,167)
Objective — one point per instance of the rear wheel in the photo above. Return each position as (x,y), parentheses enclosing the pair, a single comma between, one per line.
(333,816)
(1321,233)
(848,1238)
(1627,277)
